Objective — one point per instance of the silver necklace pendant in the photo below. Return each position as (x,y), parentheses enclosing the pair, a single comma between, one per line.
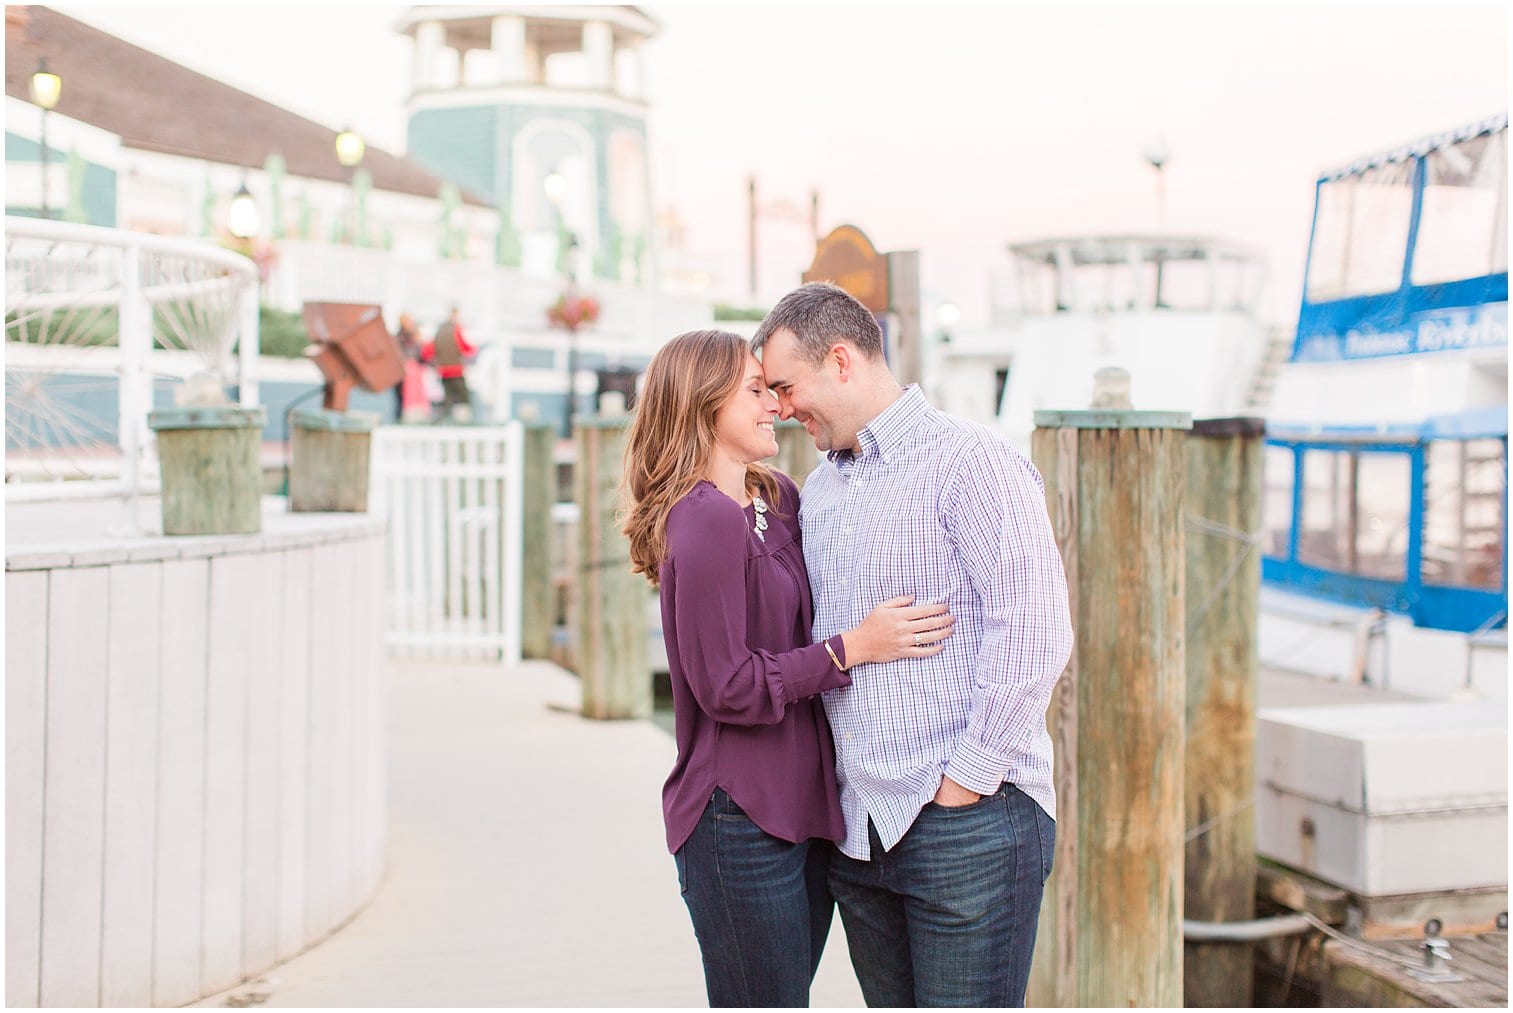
(760,507)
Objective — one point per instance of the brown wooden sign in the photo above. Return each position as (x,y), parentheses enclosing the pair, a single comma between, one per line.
(847,257)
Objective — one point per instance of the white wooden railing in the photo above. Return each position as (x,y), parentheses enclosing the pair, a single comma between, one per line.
(452,497)
(92,312)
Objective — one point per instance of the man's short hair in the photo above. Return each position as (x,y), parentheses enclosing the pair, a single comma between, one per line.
(818,314)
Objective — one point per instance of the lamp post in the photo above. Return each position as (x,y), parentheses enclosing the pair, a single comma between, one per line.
(1158,153)
(555,185)
(46,89)
(350,149)
(242,219)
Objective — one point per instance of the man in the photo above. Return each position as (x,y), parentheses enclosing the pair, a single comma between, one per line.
(944,762)
(450,350)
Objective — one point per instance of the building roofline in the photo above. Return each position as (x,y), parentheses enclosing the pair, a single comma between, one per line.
(154,104)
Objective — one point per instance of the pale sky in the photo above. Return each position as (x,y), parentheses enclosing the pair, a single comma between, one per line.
(951,130)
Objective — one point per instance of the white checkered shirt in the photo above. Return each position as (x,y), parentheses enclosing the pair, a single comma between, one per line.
(946,510)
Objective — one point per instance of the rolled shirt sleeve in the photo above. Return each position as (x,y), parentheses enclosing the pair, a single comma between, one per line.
(996,519)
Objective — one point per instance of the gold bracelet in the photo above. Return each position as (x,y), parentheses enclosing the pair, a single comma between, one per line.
(831,651)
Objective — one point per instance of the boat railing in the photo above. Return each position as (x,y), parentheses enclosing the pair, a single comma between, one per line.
(1125,273)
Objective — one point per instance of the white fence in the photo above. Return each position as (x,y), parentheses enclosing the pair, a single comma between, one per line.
(452,495)
(95,314)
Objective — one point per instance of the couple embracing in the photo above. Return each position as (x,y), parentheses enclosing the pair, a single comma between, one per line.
(860,674)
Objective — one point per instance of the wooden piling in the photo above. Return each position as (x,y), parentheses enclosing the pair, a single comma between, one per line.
(1224,461)
(611,619)
(328,460)
(538,614)
(1111,919)
(212,478)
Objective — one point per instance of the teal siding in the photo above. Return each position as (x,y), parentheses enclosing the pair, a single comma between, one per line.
(474,147)
(22,149)
(99,195)
(599,124)
(458,144)
(99,183)
(533,358)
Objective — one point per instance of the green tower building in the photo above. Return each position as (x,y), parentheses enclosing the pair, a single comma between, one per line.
(541,110)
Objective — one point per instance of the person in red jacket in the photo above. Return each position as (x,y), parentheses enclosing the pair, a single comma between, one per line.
(450,351)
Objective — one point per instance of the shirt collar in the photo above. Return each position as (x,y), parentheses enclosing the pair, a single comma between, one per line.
(888,430)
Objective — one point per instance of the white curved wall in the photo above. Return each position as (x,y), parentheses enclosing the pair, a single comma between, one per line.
(194,756)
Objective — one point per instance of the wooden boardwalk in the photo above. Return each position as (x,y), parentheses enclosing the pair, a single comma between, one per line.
(1392,973)
(527,864)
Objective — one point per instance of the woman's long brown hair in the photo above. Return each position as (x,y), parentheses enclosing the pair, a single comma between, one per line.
(672,434)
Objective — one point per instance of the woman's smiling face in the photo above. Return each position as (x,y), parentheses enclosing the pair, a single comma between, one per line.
(743,426)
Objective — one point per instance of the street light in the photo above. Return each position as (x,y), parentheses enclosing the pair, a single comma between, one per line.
(1158,153)
(555,186)
(947,315)
(242,218)
(350,149)
(46,89)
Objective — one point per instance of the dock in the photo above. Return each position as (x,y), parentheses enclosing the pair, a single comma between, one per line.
(1393,973)
(1336,969)
(526,865)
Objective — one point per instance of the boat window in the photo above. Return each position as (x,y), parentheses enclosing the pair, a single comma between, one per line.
(1276,501)
(1189,284)
(1328,484)
(1361,234)
(1033,291)
(1355,512)
(1384,484)
(1463,230)
(1463,513)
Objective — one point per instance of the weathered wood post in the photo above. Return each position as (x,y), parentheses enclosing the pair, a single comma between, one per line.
(796,455)
(1224,462)
(611,621)
(539,493)
(328,466)
(212,479)
(1111,921)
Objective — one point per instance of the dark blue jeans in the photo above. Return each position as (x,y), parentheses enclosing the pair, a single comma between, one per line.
(760,906)
(948,917)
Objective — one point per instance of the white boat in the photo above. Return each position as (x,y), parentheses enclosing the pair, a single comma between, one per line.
(1178,313)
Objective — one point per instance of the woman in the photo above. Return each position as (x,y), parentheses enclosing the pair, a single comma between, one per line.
(751,805)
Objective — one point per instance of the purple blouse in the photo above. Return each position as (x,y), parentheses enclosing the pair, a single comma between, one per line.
(736,617)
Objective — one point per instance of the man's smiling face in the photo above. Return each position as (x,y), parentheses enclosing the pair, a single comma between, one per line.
(805,391)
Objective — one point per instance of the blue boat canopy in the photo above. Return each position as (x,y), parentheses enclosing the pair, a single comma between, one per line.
(1476,424)
(1419,148)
